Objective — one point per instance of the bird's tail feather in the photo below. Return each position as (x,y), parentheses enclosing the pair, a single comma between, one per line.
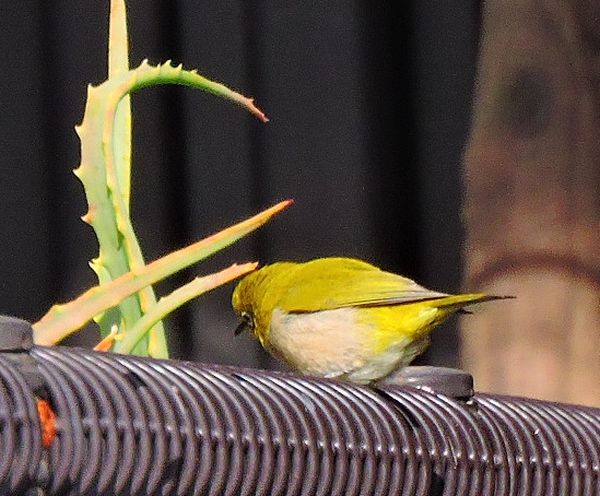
(456,302)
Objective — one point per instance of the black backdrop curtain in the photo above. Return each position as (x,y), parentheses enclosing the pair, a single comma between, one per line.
(369,105)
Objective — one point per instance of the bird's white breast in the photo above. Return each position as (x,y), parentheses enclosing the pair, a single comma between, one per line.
(336,343)
(329,343)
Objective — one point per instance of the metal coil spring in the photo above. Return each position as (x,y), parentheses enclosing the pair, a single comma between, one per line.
(129,425)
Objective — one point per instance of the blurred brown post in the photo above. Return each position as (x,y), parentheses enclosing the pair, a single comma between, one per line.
(532,201)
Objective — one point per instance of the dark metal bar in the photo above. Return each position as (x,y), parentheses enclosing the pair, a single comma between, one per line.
(128,425)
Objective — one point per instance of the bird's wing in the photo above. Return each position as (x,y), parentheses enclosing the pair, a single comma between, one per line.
(351,284)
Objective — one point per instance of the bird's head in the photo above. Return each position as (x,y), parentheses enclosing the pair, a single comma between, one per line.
(256,296)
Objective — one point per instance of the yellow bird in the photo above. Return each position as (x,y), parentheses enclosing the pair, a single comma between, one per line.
(342,317)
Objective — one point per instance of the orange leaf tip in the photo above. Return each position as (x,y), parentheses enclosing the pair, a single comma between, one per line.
(256,111)
(107,342)
(282,205)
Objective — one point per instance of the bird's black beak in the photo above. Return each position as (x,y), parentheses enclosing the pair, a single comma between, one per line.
(243,326)
(247,323)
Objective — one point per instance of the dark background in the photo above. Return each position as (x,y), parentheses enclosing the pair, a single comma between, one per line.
(369,106)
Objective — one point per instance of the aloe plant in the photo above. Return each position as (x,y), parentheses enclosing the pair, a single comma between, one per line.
(124,296)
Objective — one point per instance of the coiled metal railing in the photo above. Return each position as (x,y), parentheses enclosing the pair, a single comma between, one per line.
(128,425)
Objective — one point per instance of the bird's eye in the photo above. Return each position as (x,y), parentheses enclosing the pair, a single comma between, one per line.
(246,323)
(247,318)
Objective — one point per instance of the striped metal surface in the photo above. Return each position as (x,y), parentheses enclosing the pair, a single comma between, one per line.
(129,425)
